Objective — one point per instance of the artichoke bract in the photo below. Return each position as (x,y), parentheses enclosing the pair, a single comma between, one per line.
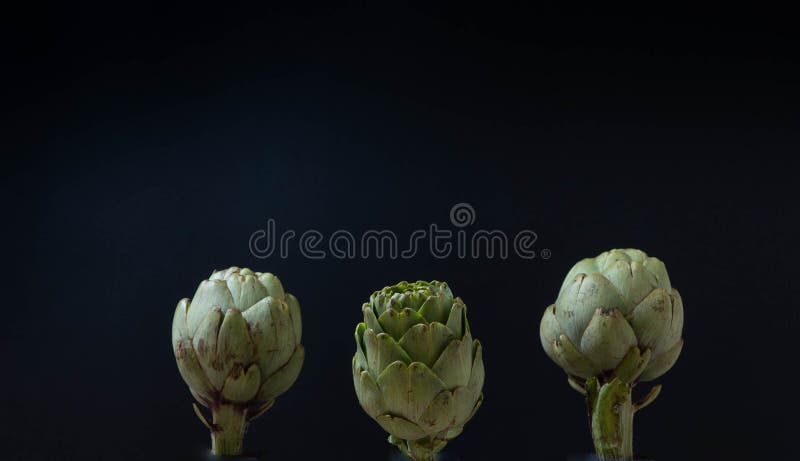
(617,321)
(417,371)
(237,344)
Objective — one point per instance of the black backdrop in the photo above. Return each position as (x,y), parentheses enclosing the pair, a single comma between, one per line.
(144,144)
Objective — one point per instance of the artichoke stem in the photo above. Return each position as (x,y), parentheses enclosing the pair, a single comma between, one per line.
(425,457)
(423,449)
(611,417)
(227,433)
(422,455)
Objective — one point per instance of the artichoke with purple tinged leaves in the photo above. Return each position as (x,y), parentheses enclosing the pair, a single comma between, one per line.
(617,321)
(417,371)
(237,345)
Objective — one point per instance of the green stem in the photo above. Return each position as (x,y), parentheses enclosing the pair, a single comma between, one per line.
(611,415)
(418,453)
(228,428)
(424,449)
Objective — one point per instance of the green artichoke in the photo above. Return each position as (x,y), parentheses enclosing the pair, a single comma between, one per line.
(417,371)
(617,321)
(237,344)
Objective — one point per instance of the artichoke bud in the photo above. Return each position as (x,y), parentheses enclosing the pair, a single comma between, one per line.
(417,370)
(616,314)
(237,345)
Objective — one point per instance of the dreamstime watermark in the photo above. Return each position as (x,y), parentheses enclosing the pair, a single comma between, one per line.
(439,242)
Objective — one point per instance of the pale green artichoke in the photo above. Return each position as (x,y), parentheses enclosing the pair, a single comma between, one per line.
(616,304)
(617,321)
(417,370)
(237,344)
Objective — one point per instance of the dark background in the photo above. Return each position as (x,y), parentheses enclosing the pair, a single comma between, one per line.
(144,143)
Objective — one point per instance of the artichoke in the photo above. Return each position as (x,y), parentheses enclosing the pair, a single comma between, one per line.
(617,321)
(237,344)
(417,371)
